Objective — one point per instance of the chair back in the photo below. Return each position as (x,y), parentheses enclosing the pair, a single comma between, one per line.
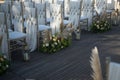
(56,14)
(31,28)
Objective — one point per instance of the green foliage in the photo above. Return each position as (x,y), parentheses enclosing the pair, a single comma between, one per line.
(100,26)
(4,64)
(55,44)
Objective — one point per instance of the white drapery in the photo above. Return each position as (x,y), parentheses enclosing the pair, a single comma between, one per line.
(31,28)
(75,12)
(4,46)
(56,18)
(31,31)
(86,11)
(114,71)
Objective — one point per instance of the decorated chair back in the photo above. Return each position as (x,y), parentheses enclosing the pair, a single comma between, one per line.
(100,6)
(75,12)
(6,9)
(28,4)
(66,8)
(56,15)
(4,33)
(17,19)
(41,13)
(31,28)
(61,2)
(86,10)
(111,4)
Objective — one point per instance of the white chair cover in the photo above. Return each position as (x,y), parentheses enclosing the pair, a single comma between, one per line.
(111,4)
(31,28)
(100,6)
(61,2)
(17,18)
(6,9)
(41,13)
(66,8)
(75,11)
(87,10)
(4,46)
(56,17)
(28,4)
(114,71)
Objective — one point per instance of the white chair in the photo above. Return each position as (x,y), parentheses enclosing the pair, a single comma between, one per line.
(12,40)
(112,70)
(31,28)
(42,25)
(86,14)
(75,13)
(66,8)
(28,4)
(56,15)
(61,2)
(6,9)
(17,18)
(110,7)
(100,6)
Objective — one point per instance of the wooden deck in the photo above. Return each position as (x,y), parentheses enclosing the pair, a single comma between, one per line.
(71,63)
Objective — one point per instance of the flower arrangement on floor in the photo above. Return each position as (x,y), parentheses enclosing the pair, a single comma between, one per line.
(55,44)
(100,24)
(4,64)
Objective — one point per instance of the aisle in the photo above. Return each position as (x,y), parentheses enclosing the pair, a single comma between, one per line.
(71,63)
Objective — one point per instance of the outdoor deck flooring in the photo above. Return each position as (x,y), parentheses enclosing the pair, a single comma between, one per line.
(71,63)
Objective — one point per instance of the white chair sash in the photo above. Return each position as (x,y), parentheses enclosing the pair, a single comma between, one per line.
(75,12)
(17,18)
(110,4)
(41,13)
(31,28)
(87,10)
(66,8)
(4,46)
(56,18)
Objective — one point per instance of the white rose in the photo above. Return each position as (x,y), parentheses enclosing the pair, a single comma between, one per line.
(47,44)
(7,66)
(55,43)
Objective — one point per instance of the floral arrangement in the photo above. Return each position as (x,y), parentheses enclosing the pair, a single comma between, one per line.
(100,26)
(55,44)
(4,64)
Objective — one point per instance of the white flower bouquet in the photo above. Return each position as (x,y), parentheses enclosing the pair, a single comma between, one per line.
(4,64)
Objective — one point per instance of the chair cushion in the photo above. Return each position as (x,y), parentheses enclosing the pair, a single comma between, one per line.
(109,11)
(9,30)
(83,18)
(16,35)
(43,27)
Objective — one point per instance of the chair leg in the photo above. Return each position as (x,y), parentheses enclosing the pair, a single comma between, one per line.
(108,59)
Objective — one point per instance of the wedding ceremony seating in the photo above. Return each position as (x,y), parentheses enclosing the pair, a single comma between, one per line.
(12,40)
(52,16)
